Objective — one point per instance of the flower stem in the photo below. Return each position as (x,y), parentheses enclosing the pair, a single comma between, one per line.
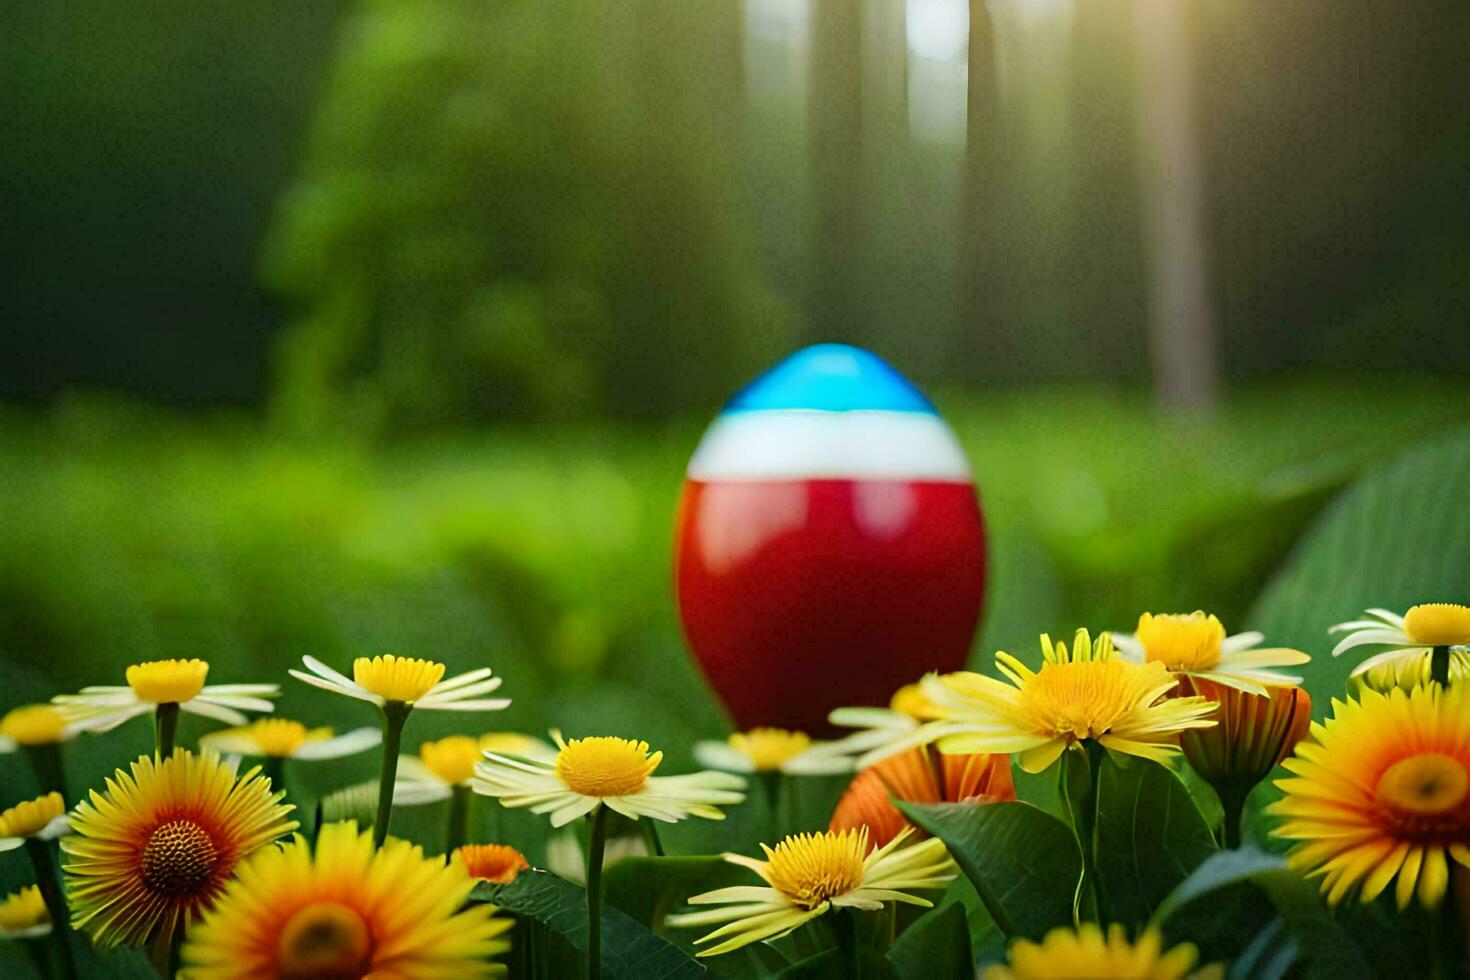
(165,724)
(395,713)
(274,768)
(45,759)
(846,931)
(1439,666)
(650,837)
(459,819)
(596,844)
(50,888)
(161,949)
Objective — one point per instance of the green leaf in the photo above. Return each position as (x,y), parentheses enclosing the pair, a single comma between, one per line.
(937,947)
(1150,836)
(1397,537)
(628,949)
(1023,862)
(1323,944)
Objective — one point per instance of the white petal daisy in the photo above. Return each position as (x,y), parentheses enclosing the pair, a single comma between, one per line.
(35,724)
(1411,637)
(282,738)
(772,750)
(180,682)
(880,727)
(591,772)
(405,680)
(807,874)
(1195,645)
(43,818)
(450,762)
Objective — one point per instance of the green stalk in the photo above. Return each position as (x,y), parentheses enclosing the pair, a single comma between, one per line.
(45,759)
(845,930)
(459,819)
(1439,666)
(1081,805)
(595,847)
(770,781)
(650,837)
(165,724)
(395,713)
(274,769)
(50,888)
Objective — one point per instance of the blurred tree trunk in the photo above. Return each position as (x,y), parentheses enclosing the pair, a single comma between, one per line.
(980,271)
(835,310)
(1182,340)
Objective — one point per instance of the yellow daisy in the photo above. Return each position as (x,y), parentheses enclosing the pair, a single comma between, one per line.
(35,724)
(1085,953)
(1382,791)
(617,772)
(1195,645)
(807,874)
(346,911)
(496,863)
(160,682)
(405,680)
(1080,694)
(43,818)
(771,750)
(23,915)
(282,738)
(157,848)
(1409,638)
(877,727)
(443,765)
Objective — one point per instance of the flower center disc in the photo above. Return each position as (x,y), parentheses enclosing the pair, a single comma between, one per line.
(768,748)
(1082,699)
(814,868)
(452,759)
(1438,624)
(604,766)
(324,941)
(279,736)
(168,681)
(393,678)
(1423,785)
(179,858)
(35,724)
(1187,642)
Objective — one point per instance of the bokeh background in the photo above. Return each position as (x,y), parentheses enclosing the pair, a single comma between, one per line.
(347,328)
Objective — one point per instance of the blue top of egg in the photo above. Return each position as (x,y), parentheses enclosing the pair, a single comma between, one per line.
(831,378)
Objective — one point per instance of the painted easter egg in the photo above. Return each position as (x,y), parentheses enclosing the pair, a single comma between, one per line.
(829,545)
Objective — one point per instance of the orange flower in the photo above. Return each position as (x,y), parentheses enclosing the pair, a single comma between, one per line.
(919,775)
(1253,735)
(496,863)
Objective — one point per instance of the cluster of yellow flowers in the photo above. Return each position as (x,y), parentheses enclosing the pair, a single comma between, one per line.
(197,861)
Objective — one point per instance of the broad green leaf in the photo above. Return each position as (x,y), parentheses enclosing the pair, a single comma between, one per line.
(1397,537)
(629,950)
(937,947)
(1150,836)
(1323,944)
(1023,862)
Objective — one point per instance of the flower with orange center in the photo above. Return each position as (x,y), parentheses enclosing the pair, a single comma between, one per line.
(43,818)
(160,682)
(1195,645)
(496,863)
(1079,694)
(618,772)
(771,750)
(347,910)
(919,775)
(1410,638)
(1382,792)
(158,846)
(282,738)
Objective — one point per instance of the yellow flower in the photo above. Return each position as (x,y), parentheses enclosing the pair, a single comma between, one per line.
(34,724)
(23,915)
(807,874)
(347,911)
(181,682)
(771,750)
(1080,694)
(1195,645)
(496,863)
(618,772)
(282,738)
(1382,791)
(878,727)
(442,765)
(919,776)
(159,845)
(1409,637)
(1409,670)
(1084,952)
(43,818)
(404,680)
